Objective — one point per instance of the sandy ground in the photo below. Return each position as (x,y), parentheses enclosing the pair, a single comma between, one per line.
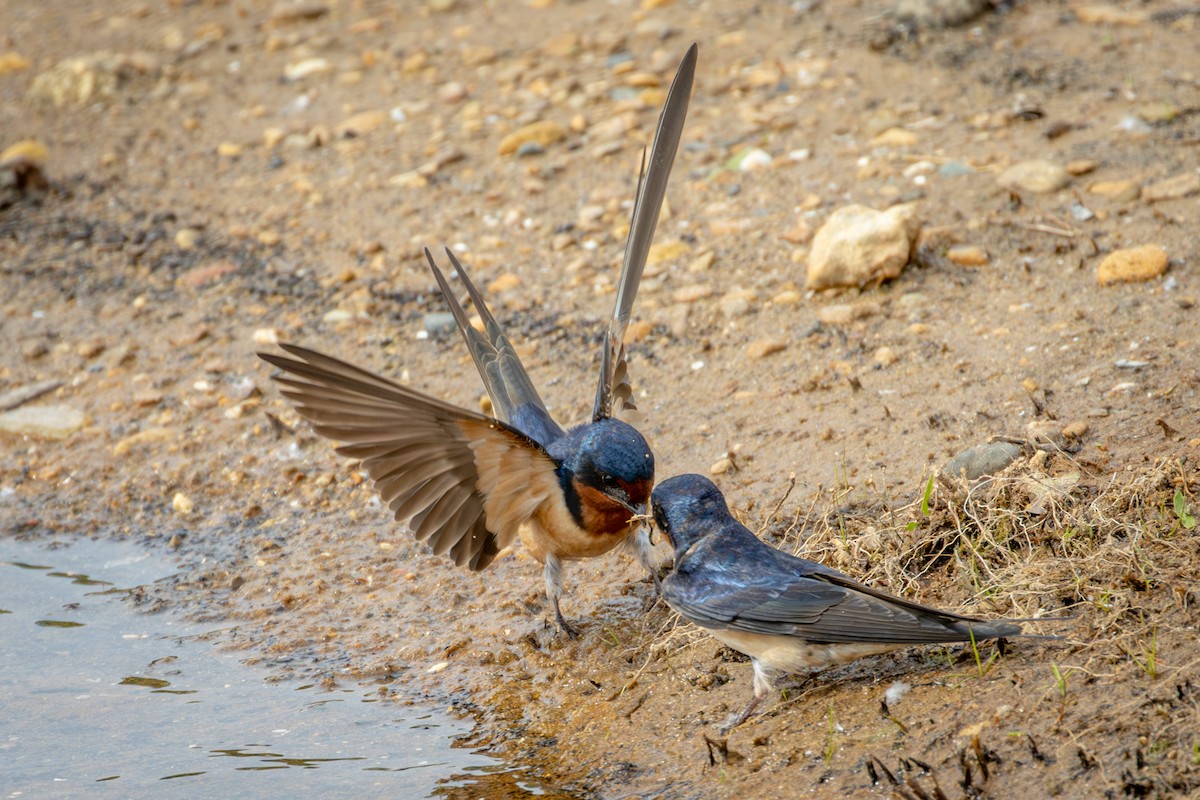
(226,174)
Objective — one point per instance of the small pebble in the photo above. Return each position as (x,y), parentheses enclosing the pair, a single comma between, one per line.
(1034,176)
(720,467)
(182,504)
(543,134)
(1178,186)
(967,255)
(1132,264)
(764,347)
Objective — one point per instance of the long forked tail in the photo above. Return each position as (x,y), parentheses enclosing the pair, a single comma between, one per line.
(614,391)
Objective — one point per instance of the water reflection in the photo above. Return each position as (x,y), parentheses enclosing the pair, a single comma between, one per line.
(96,694)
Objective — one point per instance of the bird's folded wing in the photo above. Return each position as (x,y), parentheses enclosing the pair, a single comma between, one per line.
(462,481)
(504,376)
(614,392)
(818,611)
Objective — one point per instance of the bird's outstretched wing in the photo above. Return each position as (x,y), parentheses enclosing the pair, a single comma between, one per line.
(514,398)
(614,392)
(760,590)
(461,480)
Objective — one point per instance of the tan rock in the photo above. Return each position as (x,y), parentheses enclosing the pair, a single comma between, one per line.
(967,256)
(1173,188)
(1034,176)
(764,347)
(361,123)
(1120,191)
(895,137)
(858,246)
(546,132)
(505,283)
(1132,264)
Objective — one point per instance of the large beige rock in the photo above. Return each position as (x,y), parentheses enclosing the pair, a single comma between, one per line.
(858,246)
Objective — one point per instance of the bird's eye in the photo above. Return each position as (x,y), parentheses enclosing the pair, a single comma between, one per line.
(608,480)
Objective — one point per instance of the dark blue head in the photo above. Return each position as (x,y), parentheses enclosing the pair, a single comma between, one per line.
(686,508)
(611,470)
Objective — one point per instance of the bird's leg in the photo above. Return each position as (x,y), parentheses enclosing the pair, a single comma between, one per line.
(553,574)
(762,685)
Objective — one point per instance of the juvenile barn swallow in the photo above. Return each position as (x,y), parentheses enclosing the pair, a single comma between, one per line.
(785,612)
(468,483)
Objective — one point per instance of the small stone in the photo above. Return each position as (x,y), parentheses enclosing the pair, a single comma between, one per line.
(452,92)
(1182,185)
(544,133)
(1082,166)
(56,421)
(788,297)
(737,302)
(1110,15)
(90,348)
(205,274)
(749,159)
(885,357)
(663,252)
(1034,176)
(13,62)
(24,394)
(720,467)
(984,459)
(530,149)
(690,294)
(967,256)
(440,323)
(147,436)
(954,169)
(269,238)
(361,123)
(504,283)
(293,11)
(187,238)
(30,150)
(1132,264)
(764,347)
(229,150)
(266,336)
(844,314)
(702,262)
(638,330)
(1075,430)
(182,504)
(731,226)
(895,137)
(858,246)
(306,68)
(1120,191)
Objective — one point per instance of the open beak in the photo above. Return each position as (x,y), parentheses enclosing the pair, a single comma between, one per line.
(639,513)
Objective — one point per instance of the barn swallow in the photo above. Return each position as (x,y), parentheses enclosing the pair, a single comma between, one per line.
(468,483)
(785,612)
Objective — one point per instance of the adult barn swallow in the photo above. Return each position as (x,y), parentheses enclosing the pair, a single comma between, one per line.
(468,483)
(785,612)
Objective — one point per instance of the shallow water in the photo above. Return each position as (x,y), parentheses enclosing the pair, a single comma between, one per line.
(99,699)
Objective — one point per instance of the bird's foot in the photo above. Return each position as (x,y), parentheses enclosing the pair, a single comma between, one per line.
(563,625)
(738,718)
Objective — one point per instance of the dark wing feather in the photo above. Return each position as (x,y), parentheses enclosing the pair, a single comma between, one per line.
(735,581)
(504,376)
(614,392)
(450,473)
